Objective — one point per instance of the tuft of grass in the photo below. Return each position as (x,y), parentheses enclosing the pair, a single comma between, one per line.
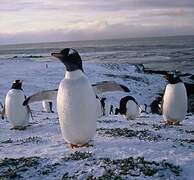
(125,132)
(34,139)
(7,141)
(12,168)
(107,121)
(128,168)
(78,156)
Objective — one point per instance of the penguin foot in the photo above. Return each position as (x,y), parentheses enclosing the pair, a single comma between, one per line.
(20,128)
(177,123)
(172,122)
(79,146)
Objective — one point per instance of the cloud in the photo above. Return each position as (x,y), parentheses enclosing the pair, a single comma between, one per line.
(59,20)
(99,31)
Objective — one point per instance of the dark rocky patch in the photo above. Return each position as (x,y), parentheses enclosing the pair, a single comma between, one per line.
(150,71)
(30,56)
(7,141)
(107,121)
(192,77)
(78,156)
(13,168)
(128,168)
(128,77)
(34,139)
(127,133)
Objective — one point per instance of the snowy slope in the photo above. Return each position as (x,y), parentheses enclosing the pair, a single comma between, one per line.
(141,149)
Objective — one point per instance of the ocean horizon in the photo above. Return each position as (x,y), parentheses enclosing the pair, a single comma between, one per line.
(160,53)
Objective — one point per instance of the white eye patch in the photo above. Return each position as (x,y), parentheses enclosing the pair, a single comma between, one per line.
(71,51)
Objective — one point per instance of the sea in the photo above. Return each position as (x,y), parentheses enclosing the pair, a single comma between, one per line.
(158,53)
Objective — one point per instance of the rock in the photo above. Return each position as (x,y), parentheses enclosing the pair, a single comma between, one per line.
(189,88)
(191,103)
(149,71)
(192,77)
(140,68)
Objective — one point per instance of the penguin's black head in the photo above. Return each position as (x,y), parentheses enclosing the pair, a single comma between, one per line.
(103,99)
(172,78)
(17,84)
(70,58)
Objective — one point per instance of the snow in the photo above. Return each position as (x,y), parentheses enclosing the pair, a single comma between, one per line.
(40,152)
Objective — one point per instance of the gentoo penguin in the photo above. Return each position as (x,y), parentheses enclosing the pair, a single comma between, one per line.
(143,108)
(174,106)
(99,107)
(47,106)
(76,101)
(128,107)
(155,106)
(111,109)
(16,113)
(105,106)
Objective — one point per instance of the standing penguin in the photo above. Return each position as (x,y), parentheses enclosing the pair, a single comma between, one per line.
(76,101)
(174,106)
(99,107)
(47,106)
(143,109)
(107,109)
(16,113)
(128,107)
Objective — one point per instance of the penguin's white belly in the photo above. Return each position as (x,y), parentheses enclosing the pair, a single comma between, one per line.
(77,109)
(175,102)
(132,110)
(16,113)
(46,106)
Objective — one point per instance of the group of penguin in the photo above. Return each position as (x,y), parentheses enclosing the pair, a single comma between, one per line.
(79,104)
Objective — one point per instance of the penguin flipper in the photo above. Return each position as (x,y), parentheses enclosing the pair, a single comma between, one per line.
(3,112)
(108,86)
(1,105)
(40,96)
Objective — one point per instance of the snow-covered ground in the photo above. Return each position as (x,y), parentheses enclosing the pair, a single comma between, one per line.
(140,149)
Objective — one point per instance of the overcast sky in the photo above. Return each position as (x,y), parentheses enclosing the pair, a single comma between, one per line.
(23,21)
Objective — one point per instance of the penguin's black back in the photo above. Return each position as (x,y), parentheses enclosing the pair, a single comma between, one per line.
(123,103)
(173,79)
(102,101)
(51,106)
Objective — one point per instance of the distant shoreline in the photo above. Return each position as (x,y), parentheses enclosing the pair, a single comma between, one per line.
(108,39)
